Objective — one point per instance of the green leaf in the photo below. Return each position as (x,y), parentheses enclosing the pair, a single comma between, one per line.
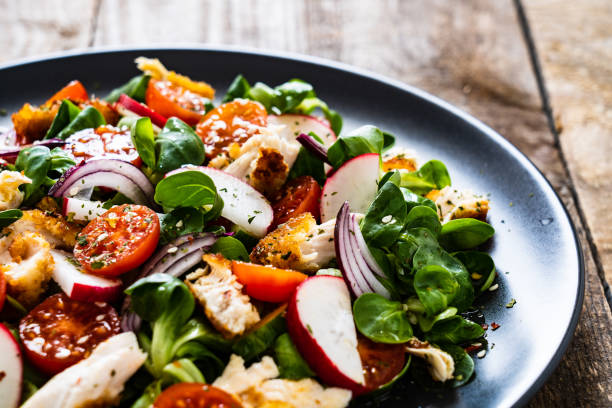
(199,331)
(310,104)
(239,88)
(7,217)
(385,217)
(432,175)
(291,365)
(60,160)
(66,113)
(307,164)
(424,217)
(186,189)
(436,287)
(35,162)
(230,248)
(480,266)
(181,221)
(427,322)
(177,145)
(454,330)
(135,88)
(183,370)
(143,139)
(253,344)
(366,139)
(381,320)
(465,233)
(412,199)
(88,118)
(464,365)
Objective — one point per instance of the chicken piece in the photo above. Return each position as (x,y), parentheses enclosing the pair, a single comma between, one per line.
(298,244)
(399,158)
(154,68)
(55,229)
(453,204)
(10,196)
(257,386)
(27,264)
(263,160)
(31,123)
(220,293)
(440,364)
(96,381)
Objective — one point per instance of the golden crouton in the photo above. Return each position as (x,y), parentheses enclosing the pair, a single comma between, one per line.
(400,159)
(453,204)
(31,123)
(27,264)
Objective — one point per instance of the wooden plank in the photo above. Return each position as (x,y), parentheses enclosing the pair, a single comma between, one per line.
(31,27)
(574,41)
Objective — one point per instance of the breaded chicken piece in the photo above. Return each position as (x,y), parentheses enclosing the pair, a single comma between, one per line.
(10,195)
(263,160)
(217,289)
(257,386)
(31,123)
(453,204)
(399,158)
(440,364)
(27,264)
(55,229)
(298,244)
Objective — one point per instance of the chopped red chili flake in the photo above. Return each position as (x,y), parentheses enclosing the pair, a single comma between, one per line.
(471,348)
(484,326)
(495,326)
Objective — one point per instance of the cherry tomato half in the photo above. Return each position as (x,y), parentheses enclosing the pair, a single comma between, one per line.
(2,289)
(232,122)
(169,99)
(75,91)
(61,331)
(381,362)
(105,141)
(267,283)
(118,241)
(297,196)
(195,395)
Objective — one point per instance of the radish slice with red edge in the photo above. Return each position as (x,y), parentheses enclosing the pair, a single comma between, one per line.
(79,285)
(354,257)
(141,110)
(82,210)
(296,124)
(11,368)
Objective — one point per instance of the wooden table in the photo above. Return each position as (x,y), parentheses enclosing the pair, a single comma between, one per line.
(538,71)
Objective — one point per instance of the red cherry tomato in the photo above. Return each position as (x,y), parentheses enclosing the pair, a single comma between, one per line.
(2,289)
(118,241)
(195,395)
(297,196)
(232,122)
(60,331)
(106,141)
(381,362)
(75,91)
(169,99)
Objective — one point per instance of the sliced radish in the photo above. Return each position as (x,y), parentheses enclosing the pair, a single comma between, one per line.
(356,181)
(320,322)
(82,210)
(11,369)
(242,204)
(132,105)
(296,124)
(82,286)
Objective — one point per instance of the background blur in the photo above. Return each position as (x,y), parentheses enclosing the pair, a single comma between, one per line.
(537,71)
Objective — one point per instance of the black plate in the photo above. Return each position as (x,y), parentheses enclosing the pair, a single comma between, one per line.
(535,248)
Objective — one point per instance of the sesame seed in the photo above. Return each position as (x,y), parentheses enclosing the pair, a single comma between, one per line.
(481,353)
(493,288)
(172,250)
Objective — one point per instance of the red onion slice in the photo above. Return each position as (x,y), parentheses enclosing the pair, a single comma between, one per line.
(353,255)
(313,147)
(10,154)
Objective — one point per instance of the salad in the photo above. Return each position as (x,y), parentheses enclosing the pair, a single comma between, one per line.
(162,249)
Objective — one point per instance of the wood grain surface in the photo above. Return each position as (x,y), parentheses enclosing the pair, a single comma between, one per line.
(471,53)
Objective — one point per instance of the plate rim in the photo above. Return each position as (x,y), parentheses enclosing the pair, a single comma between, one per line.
(552,365)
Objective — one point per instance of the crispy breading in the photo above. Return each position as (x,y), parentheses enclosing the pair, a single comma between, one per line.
(154,68)
(31,123)
(270,171)
(27,264)
(298,244)
(399,158)
(219,292)
(453,204)
(55,229)
(110,114)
